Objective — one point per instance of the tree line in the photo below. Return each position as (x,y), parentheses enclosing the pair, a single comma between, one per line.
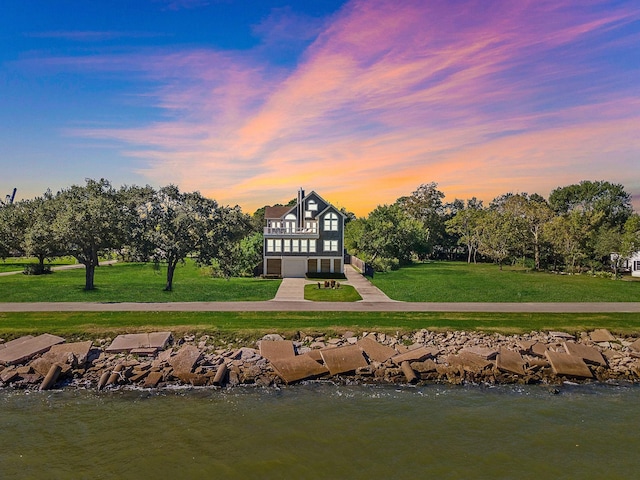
(137,223)
(577,228)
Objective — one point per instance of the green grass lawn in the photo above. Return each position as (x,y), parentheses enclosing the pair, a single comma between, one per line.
(240,326)
(461,282)
(13,264)
(346,293)
(134,282)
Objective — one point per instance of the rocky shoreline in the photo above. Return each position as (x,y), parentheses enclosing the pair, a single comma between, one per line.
(160,360)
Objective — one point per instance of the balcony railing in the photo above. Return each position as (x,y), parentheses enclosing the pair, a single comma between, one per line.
(282,231)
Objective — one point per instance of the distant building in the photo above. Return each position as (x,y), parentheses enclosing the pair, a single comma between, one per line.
(305,238)
(631,264)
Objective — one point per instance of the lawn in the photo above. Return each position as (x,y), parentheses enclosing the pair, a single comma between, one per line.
(346,293)
(134,282)
(238,327)
(13,264)
(461,282)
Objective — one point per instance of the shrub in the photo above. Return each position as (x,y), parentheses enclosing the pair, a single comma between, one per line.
(35,269)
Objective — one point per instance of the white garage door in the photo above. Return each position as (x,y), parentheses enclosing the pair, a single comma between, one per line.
(294,267)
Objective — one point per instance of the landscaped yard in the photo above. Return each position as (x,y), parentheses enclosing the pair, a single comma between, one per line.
(345,293)
(462,282)
(134,282)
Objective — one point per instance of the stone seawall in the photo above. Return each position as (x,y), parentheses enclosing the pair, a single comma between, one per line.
(158,359)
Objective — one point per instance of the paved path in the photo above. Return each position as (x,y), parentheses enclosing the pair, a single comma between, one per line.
(368,291)
(305,306)
(291,290)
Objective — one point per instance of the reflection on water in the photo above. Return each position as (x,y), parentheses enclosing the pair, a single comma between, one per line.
(320,430)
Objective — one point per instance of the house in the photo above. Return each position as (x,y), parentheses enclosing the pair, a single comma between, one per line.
(634,263)
(305,238)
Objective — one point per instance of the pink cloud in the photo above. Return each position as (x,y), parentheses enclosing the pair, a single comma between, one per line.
(481,97)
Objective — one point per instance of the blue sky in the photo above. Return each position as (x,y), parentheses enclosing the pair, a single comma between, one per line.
(359,100)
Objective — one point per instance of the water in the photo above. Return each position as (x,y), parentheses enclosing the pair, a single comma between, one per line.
(321,430)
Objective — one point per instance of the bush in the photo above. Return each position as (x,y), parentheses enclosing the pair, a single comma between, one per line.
(35,269)
(383,264)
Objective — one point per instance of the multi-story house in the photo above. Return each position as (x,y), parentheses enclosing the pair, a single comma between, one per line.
(305,238)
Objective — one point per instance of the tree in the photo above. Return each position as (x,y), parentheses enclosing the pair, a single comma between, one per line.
(89,222)
(11,229)
(569,234)
(425,205)
(465,224)
(41,239)
(607,198)
(225,242)
(137,203)
(497,236)
(180,223)
(391,237)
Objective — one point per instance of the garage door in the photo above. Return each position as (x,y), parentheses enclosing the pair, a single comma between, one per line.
(294,267)
(274,266)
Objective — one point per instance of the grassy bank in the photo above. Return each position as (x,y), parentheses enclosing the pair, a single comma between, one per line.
(134,282)
(251,325)
(460,282)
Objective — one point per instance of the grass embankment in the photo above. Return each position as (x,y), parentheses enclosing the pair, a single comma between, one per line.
(134,282)
(242,326)
(460,282)
(345,293)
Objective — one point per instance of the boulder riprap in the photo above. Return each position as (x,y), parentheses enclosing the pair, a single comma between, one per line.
(157,359)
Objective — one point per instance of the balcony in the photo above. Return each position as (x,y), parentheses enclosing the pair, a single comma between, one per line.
(286,232)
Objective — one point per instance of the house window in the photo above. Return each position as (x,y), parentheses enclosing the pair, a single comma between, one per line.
(270,247)
(295,245)
(277,245)
(636,266)
(330,245)
(312,246)
(331,222)
(287,245)
(303,245)
(308,214)
(290,223)
(312,205)
(311,227)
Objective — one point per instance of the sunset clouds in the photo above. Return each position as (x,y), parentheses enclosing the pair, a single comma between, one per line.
(369,101)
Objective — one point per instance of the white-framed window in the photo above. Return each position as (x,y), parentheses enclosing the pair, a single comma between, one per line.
(330,246)
(331,222)
(287,245)
(295,245)
(311,227)
(636,266)
(308,214)
(290,223)
(312,246)
(312,205)
(303,245)
(270,247)
(277,245)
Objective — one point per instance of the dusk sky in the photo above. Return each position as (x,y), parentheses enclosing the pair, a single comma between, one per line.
(362,101)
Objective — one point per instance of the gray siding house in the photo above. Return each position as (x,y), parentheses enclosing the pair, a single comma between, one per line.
(305,238)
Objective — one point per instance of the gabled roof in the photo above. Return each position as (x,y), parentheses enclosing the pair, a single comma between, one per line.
(331,207)
(277,212)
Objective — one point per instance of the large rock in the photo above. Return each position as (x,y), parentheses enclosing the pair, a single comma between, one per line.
(601,335)
(568,365)
(468,361)
(185,359)
(416,355)
(131,341)
(300,367)
(80,350)
(25,348)
(510,361)
(276,349)
(588,354)
(376,351)
(43,364)
(343,359)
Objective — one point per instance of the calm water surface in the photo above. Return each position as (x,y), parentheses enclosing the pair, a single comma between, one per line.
(322,430)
